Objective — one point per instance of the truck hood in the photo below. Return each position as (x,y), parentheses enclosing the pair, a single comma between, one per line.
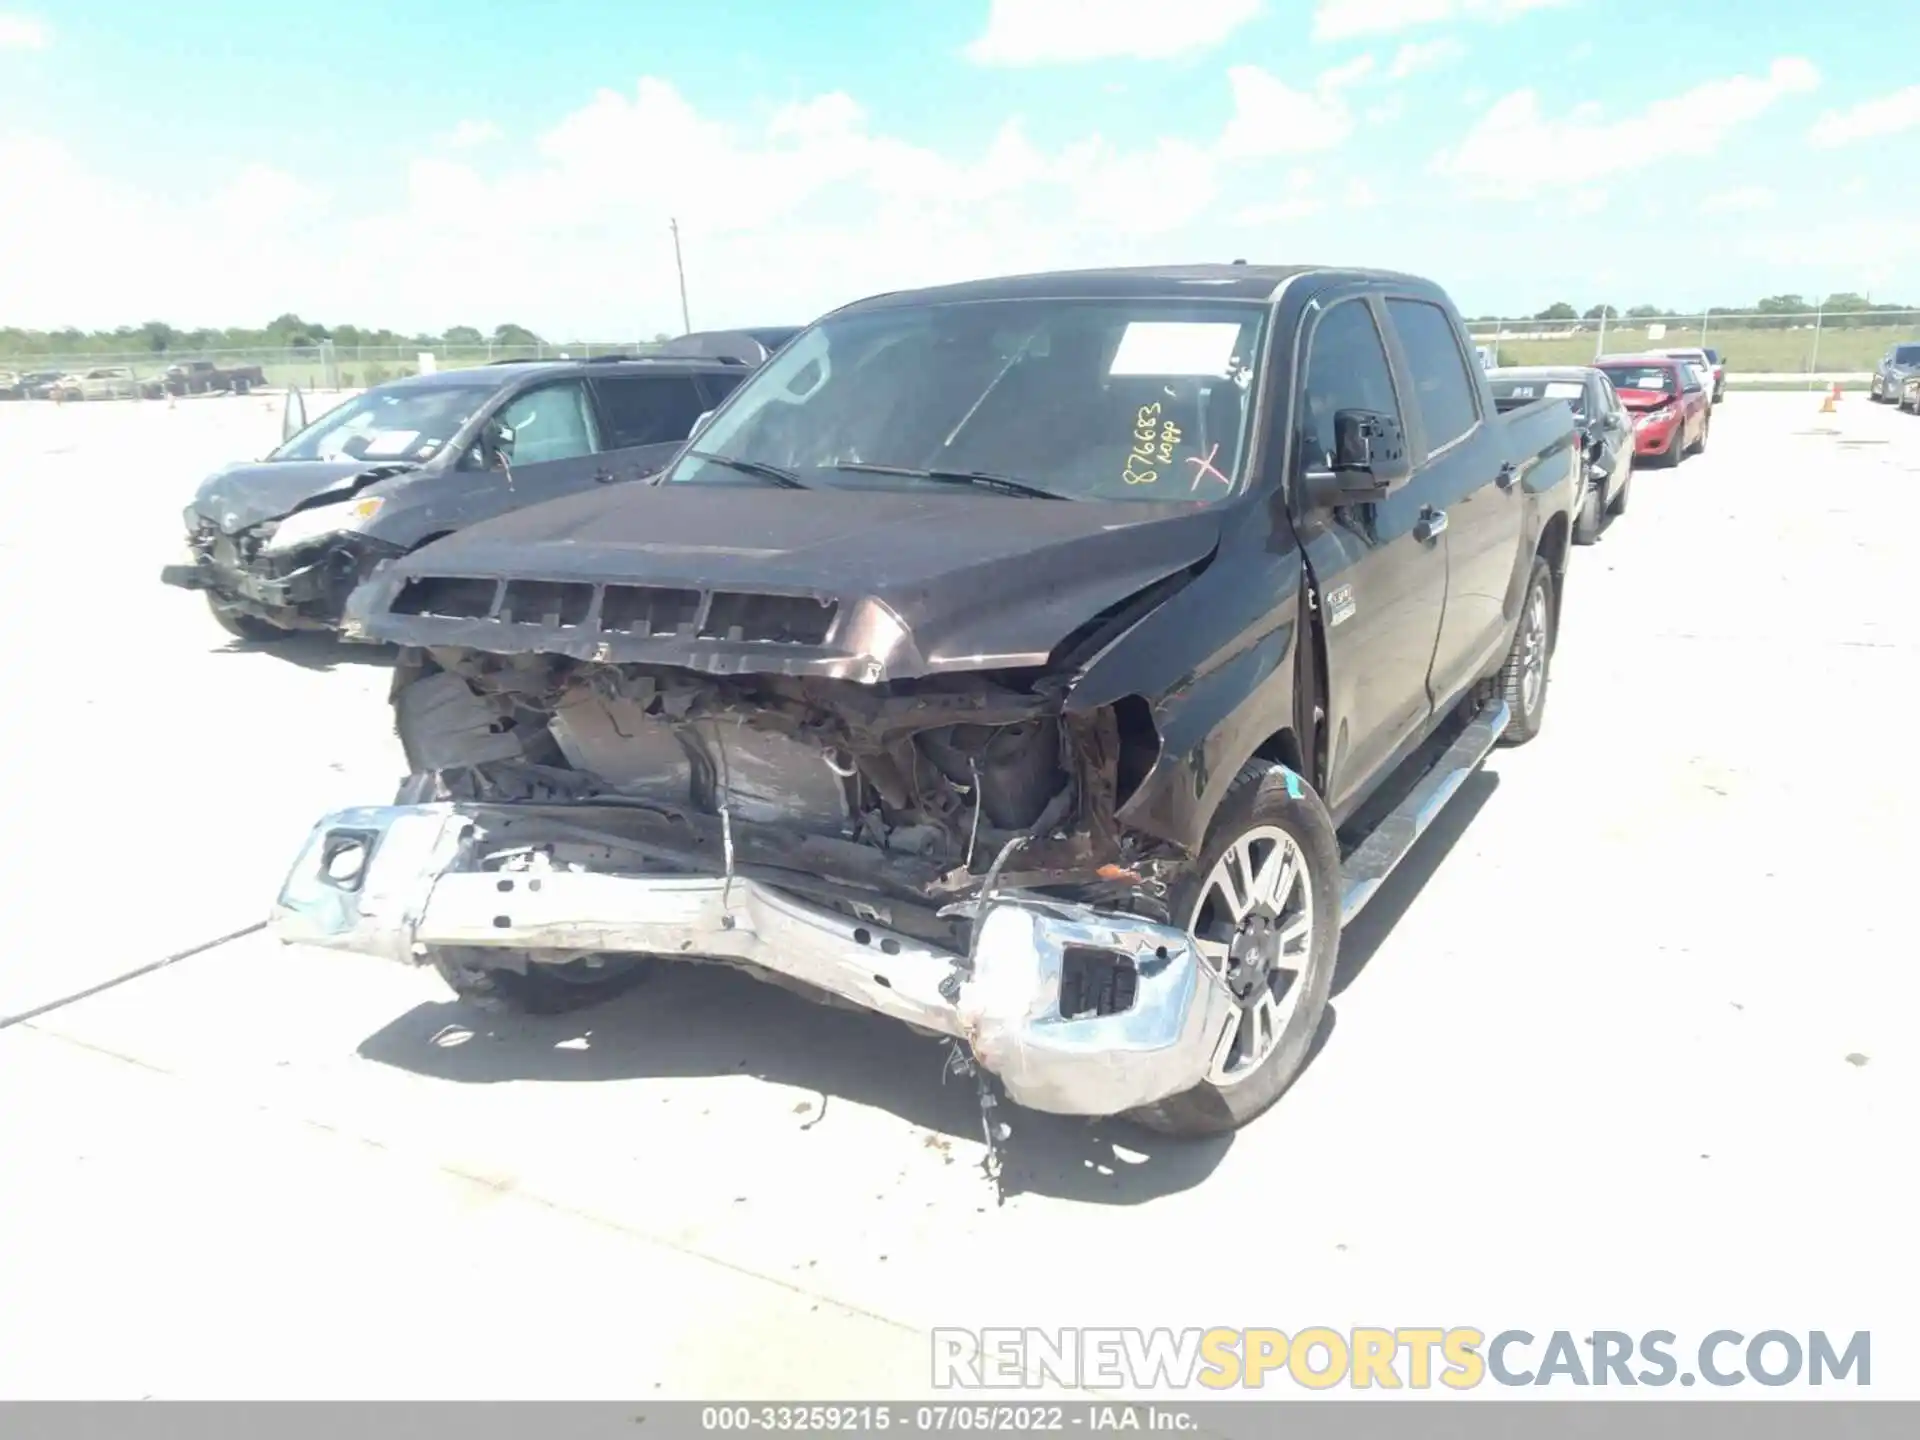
(864,585)
(244,494)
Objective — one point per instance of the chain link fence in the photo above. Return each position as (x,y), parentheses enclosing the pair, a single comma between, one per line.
(1757,348)
(324,366)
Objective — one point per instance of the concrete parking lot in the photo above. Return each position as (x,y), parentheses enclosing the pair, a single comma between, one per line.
(1627,1042)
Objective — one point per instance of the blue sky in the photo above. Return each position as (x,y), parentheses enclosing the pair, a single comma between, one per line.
(426,164)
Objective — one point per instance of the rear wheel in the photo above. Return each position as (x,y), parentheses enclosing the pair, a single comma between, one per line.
(1262,903)
(1524,676)
(1586,529)
(243,626)
(541,989)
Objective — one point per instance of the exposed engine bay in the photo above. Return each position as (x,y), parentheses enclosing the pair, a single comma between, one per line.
(913,790)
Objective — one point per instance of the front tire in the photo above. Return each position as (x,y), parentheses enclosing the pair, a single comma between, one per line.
(1263,903)
(541,989)
(242,626)
(1617,503)
(1706,428)
(1529,664)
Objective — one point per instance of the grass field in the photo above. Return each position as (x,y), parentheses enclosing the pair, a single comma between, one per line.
(1762,351)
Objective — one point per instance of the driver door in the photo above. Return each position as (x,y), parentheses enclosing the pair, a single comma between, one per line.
(554,451)
(1380,577)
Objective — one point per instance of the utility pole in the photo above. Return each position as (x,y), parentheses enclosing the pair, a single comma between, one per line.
(686,325)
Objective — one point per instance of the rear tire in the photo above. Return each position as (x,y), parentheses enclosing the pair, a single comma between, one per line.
(242,626)
(541,989)
(1586,529)
(1529,664)
(1280,831)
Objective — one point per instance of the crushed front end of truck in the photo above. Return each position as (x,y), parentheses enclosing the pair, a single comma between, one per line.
(942,849)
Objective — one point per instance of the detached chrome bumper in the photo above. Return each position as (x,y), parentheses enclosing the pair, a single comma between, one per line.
(398,881)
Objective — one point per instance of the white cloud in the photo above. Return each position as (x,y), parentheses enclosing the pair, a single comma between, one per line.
(23,32)
(780,220)
(1273,118)
(1740,201)
(1350,19)
(1068,32)
(1496,157)
(470,134)
(1419,55)
(1870,119)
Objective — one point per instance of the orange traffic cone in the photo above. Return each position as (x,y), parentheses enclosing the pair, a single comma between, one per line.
(1832,400)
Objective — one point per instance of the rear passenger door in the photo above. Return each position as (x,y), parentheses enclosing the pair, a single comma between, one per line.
(1380,579)
(1473,495)
(646,419)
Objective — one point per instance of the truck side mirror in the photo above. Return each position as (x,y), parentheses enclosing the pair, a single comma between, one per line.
(293,417)
(1369,460)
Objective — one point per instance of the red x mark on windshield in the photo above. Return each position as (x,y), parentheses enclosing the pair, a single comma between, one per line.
(1204,467)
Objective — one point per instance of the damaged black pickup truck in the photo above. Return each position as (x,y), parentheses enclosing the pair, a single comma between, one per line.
(1053,664)
(277,545)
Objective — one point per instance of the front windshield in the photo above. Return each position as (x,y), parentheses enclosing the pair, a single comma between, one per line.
(1641,377)
(1086,399)
(400,422)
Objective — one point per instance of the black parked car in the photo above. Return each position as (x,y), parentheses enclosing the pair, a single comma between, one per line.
(1605,427)
(1896,367)
(278,544)
(1052,663)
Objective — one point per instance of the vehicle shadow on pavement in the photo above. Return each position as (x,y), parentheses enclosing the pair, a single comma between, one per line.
(311,650)
(1362,939)
(692,1021)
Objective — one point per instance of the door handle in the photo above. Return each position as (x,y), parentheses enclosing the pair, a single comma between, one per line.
(1431,523)
(1506,476)
(603,475)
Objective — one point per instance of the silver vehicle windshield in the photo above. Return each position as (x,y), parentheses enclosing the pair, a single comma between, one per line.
(401,422)
(1048,398)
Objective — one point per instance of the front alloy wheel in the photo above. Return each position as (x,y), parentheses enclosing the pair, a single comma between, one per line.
(1254,924)
(1261,902)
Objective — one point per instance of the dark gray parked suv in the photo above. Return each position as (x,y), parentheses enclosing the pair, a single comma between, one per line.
(1896,367)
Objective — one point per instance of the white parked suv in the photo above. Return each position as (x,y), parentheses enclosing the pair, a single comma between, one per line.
(109,382)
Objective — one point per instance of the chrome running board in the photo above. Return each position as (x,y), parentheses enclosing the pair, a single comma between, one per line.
(1373,859)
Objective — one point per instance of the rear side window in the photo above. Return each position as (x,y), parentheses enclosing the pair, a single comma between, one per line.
(718,387)
(1346,370)
(647,409)
(1442,386)
(1906,355)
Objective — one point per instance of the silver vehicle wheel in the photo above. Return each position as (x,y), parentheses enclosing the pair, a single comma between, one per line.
(1533,649)
(1253,923)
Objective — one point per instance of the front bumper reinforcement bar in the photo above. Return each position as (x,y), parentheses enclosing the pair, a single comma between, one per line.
(402,881)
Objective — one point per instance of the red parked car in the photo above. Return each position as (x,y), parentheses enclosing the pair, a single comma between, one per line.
(1671,409)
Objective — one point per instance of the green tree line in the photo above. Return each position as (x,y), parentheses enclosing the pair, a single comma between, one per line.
(1843,310)
(288,332)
